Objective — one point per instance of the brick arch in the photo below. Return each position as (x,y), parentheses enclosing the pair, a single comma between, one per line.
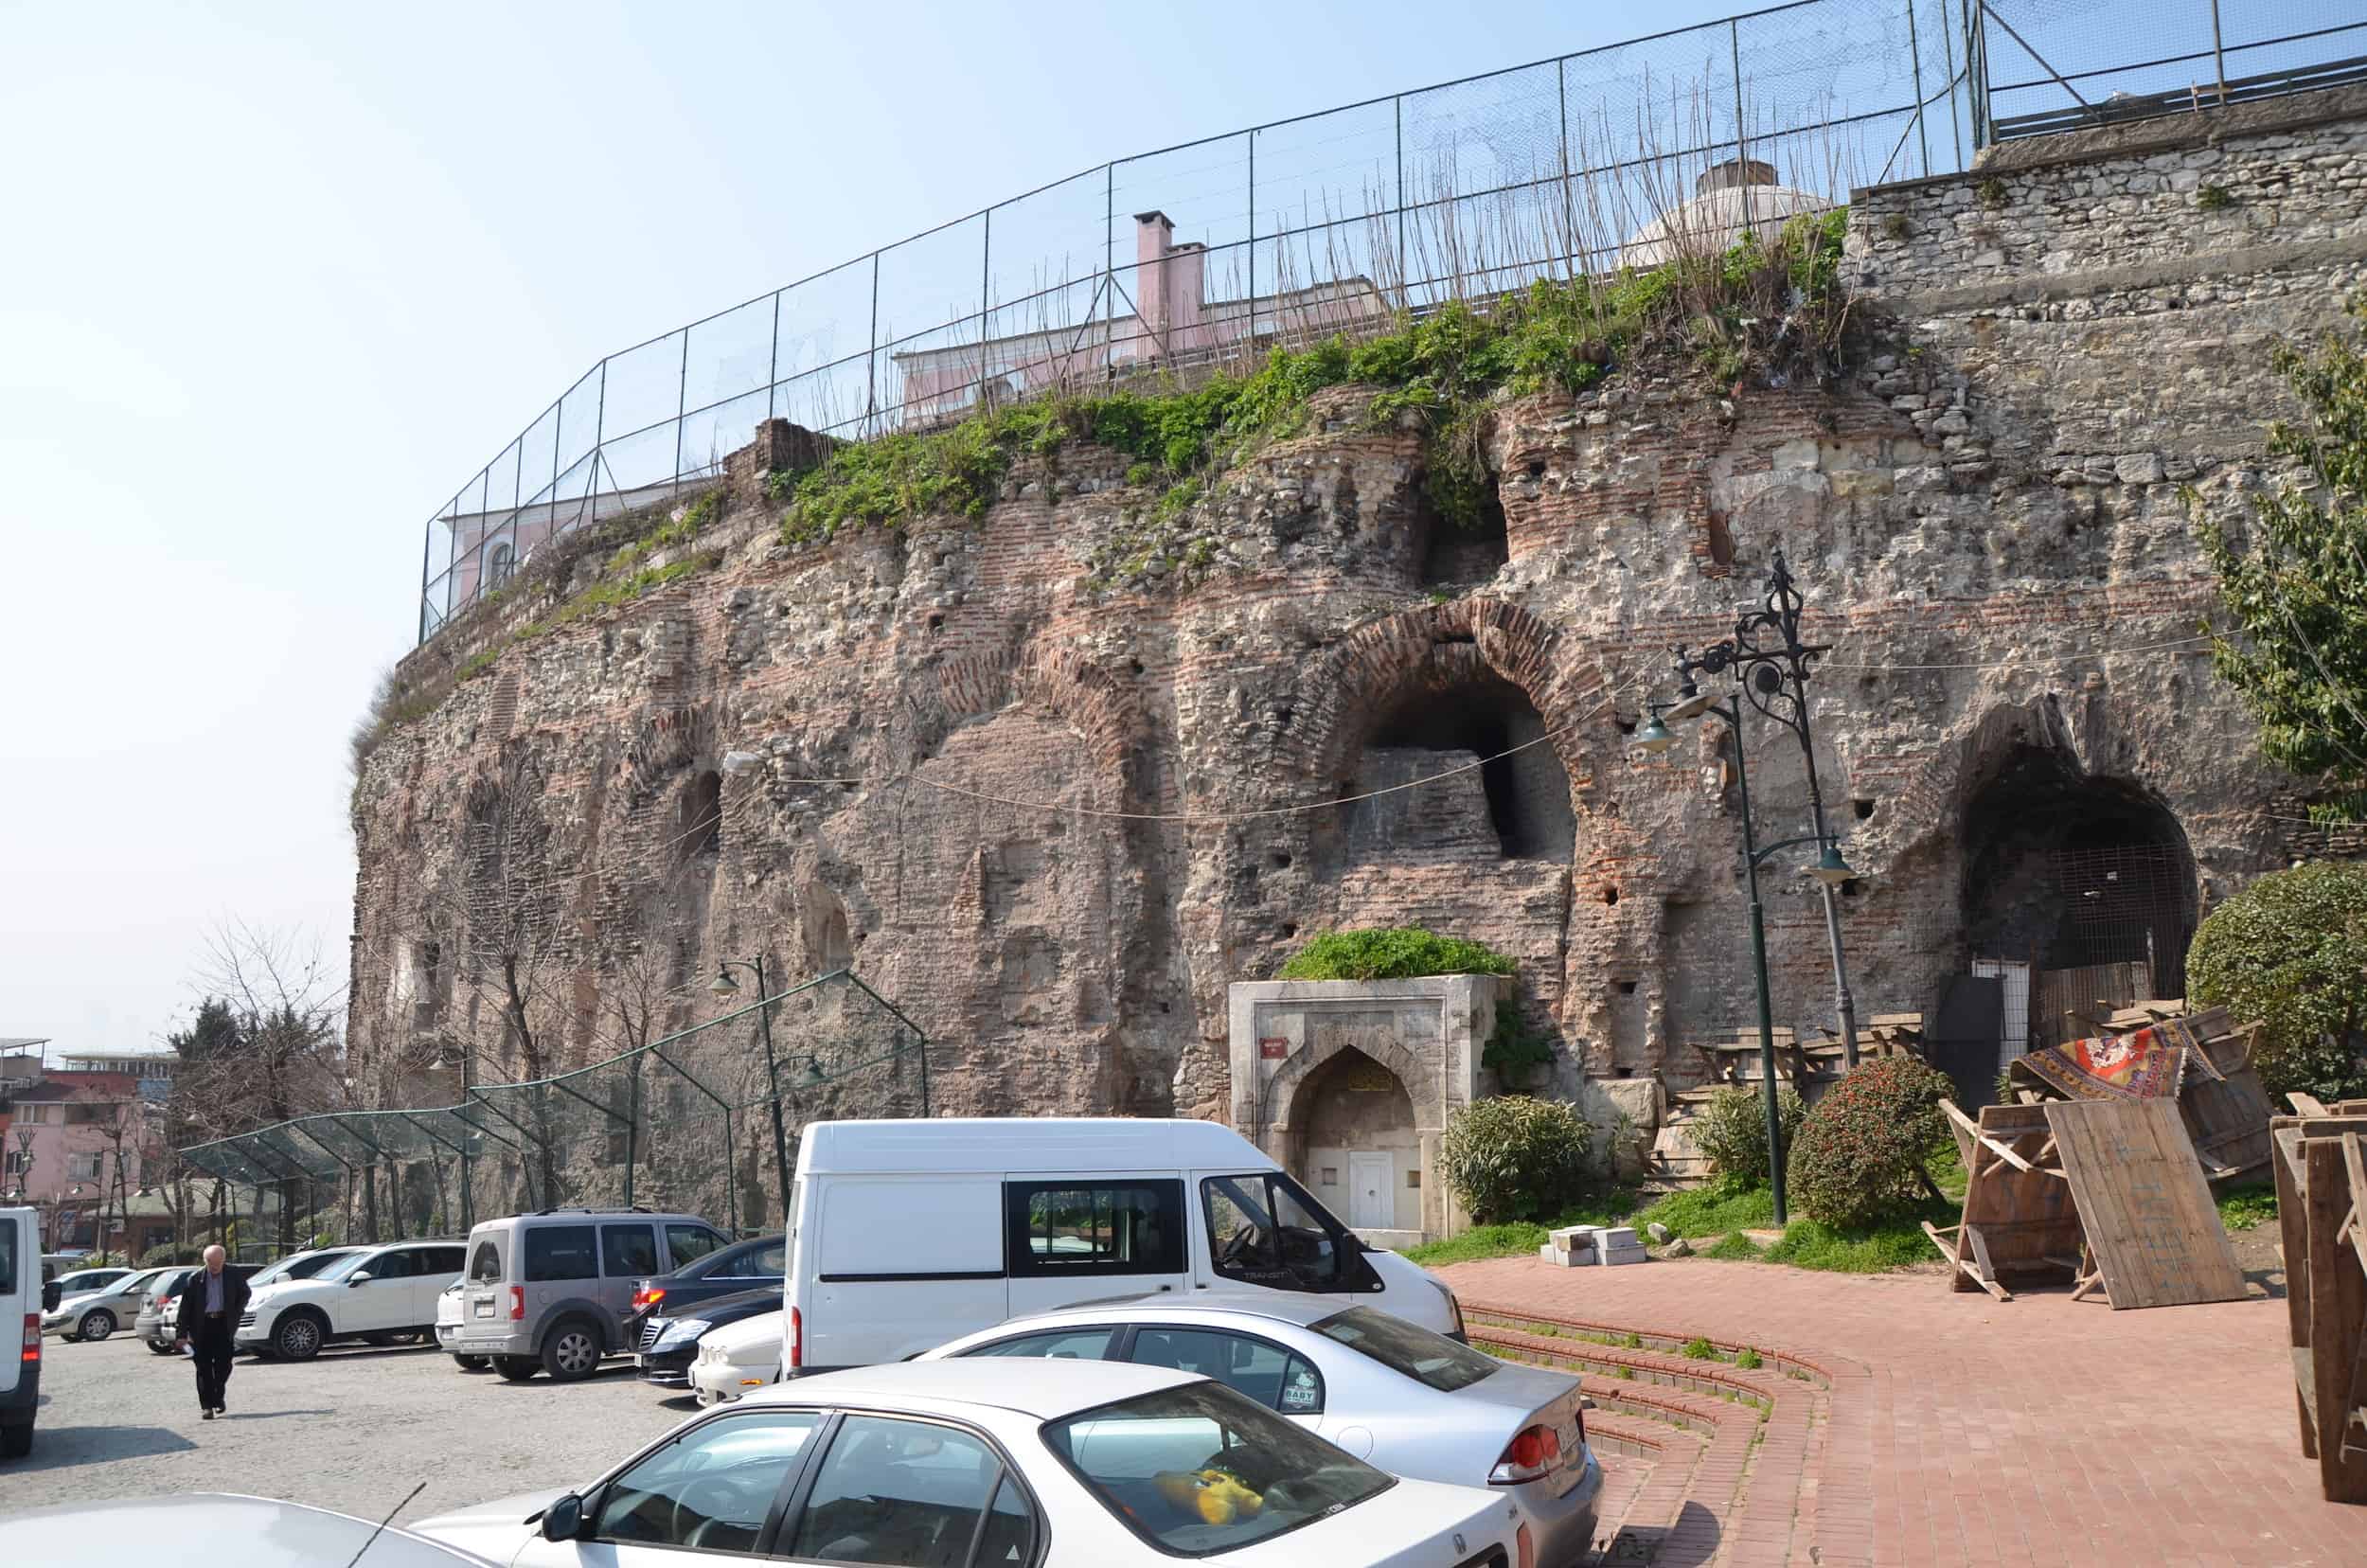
(1281,1112)
(1434,648)
(1099,707)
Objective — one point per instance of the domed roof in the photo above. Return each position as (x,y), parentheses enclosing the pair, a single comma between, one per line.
(1727,198)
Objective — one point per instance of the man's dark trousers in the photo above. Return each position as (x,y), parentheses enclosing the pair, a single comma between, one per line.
(213,1346)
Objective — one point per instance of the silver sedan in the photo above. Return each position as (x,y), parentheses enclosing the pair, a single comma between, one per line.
(1410,1402)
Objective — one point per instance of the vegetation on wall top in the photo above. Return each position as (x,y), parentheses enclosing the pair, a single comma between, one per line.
(1758,306)
(1390,953)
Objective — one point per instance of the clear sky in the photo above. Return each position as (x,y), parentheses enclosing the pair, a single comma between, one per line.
(277,278)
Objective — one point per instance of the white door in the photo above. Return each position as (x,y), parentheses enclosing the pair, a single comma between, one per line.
(382,1301)
(1372,1191)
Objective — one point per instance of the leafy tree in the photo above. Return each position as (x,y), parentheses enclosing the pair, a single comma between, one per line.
(2296,583)
(2290,950)
(1858,1153)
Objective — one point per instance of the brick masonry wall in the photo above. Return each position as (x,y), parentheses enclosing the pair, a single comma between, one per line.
(1070,728)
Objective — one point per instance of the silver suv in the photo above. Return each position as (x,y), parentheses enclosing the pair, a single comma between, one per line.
(549,1292)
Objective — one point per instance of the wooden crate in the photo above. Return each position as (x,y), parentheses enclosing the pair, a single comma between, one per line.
(2321,1193)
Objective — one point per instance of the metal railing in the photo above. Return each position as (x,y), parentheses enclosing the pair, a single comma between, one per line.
(1340,222)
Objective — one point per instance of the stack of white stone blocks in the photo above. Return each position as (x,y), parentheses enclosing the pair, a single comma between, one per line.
(1581,1246)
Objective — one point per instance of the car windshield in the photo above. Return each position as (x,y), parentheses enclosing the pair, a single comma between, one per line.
(1406,1348)
(1199,1468)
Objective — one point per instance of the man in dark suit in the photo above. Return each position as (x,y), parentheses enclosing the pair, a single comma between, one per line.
(212,1305)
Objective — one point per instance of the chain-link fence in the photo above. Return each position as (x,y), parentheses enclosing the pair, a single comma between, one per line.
(704,1121)
(1350,219)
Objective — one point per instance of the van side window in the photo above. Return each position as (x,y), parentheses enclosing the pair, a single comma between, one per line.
(8,1230)
(1060,1228)
(560,1251)
(628,1249)
(688,1243)
(1263,1231)
(485,1264)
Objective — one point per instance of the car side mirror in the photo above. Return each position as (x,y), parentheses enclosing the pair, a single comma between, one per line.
(51,1296)
(361,1278)
(563,1519)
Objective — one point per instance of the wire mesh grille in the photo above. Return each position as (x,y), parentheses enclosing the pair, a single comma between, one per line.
(1340,221)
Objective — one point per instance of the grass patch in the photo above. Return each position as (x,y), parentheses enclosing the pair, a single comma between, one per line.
(1711,1211)
(1734,1247)
(1520,1238)
(2248,1207)
(1873,1248)
(1749,1360)
(1698,1349)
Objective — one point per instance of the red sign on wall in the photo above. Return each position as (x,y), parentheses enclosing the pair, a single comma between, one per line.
(1273,1050)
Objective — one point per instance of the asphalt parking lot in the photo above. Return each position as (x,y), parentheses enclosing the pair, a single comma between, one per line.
(352,1430)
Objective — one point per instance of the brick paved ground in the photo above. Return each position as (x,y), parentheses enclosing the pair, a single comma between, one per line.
(1926,1427)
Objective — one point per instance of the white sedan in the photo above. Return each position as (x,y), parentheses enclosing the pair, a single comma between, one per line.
(990,1462)
(737,1358)
(1413,1403)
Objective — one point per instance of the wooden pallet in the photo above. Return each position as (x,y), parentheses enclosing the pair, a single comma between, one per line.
(2018,1214)
(2321,1168)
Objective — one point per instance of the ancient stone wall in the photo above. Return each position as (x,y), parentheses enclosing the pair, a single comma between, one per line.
(1051,779)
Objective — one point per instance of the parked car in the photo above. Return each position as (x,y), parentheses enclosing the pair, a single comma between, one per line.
(727,1271)
(261,1532)
(1049,1464)
(670,1344)
(449,1308)
(96,1314)
(1413,1403)
(903,1233)
(154,1323)
(23,1297)
(81,1281)
(549,1292)
(298,1265)
(735,1358)
(373,1294)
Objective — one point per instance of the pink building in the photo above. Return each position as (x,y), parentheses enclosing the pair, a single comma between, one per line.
(1173,322)
(65,1128)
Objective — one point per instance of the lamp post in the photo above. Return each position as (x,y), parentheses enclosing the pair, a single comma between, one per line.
(1773,674)
(725,985)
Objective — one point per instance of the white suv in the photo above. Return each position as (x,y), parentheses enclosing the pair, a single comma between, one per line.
(376,1295)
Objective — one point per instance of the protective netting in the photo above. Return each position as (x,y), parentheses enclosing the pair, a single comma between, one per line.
(687,1122)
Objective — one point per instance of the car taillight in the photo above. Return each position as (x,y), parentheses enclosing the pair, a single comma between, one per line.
(647,1298)
(1531,1454)
(796,1339)
(516,1303)
(32,1339)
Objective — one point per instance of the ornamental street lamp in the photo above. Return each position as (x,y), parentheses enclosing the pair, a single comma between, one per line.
(724,986)
(1770,669)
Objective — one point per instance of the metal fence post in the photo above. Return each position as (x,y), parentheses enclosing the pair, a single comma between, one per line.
(985,296)
(599,439)
(1948,58)
(871,359)
(1252,340)
(682,405)
(772,362)
(2218,55)
(1405,281)
(1914,60)
(1742,144)
(1110,269)
(1569,212)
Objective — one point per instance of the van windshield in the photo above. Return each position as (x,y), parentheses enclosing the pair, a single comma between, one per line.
(1263,1229)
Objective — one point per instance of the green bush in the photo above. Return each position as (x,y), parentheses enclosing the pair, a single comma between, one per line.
(164,1253)
(1855,1159)
(1731,1130)
(1393,953)
(1698,1349)
(1512,1157)
(2289,952)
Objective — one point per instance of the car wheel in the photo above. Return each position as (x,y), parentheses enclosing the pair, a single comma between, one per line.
(16,1441)
(572,1351)
(297,1338)
(469,1363)
(517,1368)
(99,1325)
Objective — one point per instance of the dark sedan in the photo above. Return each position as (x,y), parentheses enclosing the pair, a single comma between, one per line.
(726,1271)
(670,1342)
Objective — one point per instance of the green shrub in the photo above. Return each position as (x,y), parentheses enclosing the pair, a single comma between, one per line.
(2247,1206)
(1393,953)
(163,1252)
(1512,1157)
(1513,1049)
(1731,1130)
(1698,1349)
(2291,952)
(1750,1361)
(1731,1247)
(1855,1157)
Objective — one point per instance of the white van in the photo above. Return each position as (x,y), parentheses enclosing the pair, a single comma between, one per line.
(906,1233)
(23,1297)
